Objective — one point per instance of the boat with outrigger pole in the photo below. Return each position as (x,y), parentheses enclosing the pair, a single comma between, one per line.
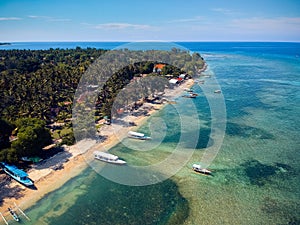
(14,215)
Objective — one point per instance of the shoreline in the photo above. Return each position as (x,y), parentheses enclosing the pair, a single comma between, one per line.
(73,159)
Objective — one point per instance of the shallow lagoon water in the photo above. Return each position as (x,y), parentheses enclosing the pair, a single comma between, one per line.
(256,173)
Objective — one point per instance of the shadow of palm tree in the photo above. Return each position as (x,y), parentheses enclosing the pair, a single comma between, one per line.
(8,192)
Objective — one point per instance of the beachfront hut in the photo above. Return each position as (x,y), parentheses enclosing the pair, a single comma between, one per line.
(158,68)
(173,81)
(179,80)
(183,76)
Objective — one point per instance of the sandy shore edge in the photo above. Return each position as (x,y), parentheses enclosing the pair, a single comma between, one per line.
(73,160)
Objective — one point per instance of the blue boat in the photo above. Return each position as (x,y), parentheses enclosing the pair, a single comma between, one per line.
(17,174)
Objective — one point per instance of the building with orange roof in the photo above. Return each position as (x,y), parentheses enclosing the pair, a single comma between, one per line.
(158,67)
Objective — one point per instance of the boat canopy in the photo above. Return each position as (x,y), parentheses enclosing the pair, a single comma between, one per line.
(132,133)
(106,155)
(15,170)
(196,166)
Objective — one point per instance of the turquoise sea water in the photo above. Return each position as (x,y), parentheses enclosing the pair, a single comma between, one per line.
(256,173)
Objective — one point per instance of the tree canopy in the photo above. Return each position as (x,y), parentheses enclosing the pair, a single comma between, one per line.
(32,137)
(37,87)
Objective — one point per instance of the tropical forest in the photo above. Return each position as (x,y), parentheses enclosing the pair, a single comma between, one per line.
(39,89)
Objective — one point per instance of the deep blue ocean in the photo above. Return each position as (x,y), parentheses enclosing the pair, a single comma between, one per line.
(256,172)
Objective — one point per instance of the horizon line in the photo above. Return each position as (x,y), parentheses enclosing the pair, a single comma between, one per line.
(129,41)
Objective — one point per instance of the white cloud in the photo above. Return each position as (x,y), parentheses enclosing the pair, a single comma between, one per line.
(227,12)
(119,26)
(267,24)
(9,18)
(58,20)
(49,18)
(186,20)
(39,17)
(222,10)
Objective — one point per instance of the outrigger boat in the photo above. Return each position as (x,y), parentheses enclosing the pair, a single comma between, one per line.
(197,168)
(110,158)
(17,174)
(14,215)
(136,135)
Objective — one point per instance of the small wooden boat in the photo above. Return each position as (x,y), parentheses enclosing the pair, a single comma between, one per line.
(190,95)
(197,168)
(217,91)
(14,215)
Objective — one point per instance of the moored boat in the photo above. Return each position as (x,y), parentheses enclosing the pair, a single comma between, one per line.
(197,168)
(190,95)
(18,174)
(14,215)
(189,90)
(137,135)
(110,158)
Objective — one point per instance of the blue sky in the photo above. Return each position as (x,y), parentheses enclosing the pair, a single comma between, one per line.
(139,20)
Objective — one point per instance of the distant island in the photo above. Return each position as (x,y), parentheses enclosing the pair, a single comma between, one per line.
(5,43)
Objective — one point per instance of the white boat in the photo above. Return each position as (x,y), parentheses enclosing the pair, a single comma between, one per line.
(136,135)
(217,91)
(110,158)
(190,95)
(188,90)
(197,168)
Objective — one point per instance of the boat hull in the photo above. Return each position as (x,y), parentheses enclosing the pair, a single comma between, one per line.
(16,174)
(117,162)
(140,138)
(137,135)
(203,171)
(109,158)
(27,182)
(197,168)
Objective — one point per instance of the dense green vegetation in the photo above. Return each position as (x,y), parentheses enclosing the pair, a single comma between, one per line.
(32,82)
(32,136)
(41,84)
(37,84)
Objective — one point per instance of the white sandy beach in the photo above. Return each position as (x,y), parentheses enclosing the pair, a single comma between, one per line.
(73,160)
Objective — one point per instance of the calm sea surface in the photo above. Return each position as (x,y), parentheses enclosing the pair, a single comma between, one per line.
(256,173)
